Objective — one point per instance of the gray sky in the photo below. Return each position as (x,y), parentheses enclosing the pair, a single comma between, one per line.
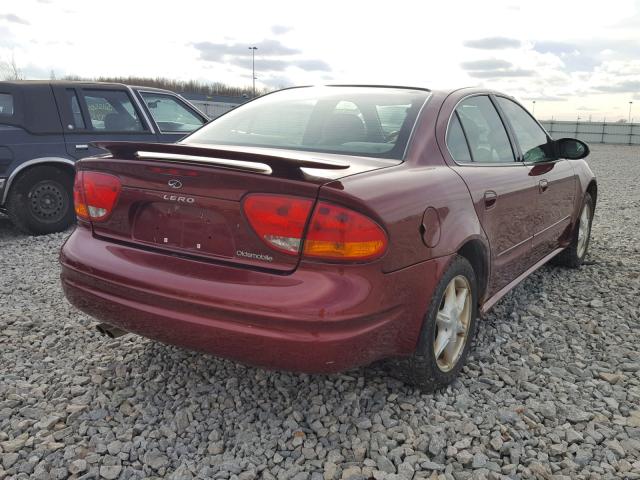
(575,58)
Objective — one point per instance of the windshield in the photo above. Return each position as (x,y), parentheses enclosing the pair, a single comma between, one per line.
(368,121)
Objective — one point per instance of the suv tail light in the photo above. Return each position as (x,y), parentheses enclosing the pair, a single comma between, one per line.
(95,194)
(335,232)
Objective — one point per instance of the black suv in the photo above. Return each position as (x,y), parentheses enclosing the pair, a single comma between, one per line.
(45,126)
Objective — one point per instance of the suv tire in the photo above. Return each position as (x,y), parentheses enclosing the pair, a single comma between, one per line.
(41,201)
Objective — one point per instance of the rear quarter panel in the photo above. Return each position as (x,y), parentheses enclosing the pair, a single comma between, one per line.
(397,198)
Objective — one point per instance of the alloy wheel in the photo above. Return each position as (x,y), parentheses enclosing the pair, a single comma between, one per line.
(452,323)
(584,229)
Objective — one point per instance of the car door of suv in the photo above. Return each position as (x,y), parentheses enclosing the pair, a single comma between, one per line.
(554,177)
(173,117)
(503,193)
(97,113)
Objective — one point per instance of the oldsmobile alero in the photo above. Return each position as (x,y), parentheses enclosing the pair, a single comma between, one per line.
(318,229)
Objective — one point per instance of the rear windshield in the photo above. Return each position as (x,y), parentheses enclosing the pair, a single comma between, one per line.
(6,104)
(374,122)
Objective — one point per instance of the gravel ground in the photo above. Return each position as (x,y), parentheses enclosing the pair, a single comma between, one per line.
(551,390)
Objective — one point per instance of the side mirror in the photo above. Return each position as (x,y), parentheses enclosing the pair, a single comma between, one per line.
(571,148)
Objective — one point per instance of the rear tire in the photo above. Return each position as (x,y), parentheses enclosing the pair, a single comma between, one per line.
(573,256)
(41,201)
(433,366)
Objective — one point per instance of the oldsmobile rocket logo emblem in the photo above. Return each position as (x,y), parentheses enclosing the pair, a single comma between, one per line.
(174,183)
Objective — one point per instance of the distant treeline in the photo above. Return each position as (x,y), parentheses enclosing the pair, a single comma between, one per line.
(179,86)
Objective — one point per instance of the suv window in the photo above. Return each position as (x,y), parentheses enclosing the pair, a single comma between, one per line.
(456,142)
(111,111)
(170,114)
(530,135)
(6,104)
(484,130)
(74,107)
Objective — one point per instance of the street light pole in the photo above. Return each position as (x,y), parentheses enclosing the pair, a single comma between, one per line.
(533,112)
(630,103)
(253,68)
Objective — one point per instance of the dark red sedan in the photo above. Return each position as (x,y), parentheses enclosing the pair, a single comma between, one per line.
(321,228)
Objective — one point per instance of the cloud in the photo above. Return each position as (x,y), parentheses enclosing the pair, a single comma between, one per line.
(215,52)
(271,56)
(489,64)
(280,29)
(576,58)
(557,48)
(628,86)
(277,65)
(546,98)
(494,68)
(493,43)
(277,81)
(503,73)
(10,17)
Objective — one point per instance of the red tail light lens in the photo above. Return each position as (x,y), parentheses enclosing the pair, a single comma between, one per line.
(278,220)
(95,194)
(78,197)
(338,233)
(335,232)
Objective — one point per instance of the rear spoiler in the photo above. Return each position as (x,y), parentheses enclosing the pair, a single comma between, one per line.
(255,160)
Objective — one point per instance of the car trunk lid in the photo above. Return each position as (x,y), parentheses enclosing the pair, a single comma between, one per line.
(187,200)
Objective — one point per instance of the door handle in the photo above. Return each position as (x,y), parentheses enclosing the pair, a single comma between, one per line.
(82,146)
(543,185)
(490,198)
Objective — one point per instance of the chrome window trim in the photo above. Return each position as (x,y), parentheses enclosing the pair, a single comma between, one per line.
(515,162)
(141,108)
(29,163)
(180,98)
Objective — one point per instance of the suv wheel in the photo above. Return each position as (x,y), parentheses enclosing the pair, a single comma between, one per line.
(41,201)
(447,332)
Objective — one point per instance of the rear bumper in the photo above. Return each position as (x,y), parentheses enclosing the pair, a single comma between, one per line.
(321,318)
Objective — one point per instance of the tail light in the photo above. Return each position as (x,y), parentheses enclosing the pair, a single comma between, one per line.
(278,220)
(338,233)
(334,233)
(95,194)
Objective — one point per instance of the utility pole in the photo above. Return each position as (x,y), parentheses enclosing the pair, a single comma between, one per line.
(253,68)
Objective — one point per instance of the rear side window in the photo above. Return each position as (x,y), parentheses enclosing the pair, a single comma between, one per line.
(170,114)
(111,111)
(74,107)
(530,135)
(485,132)
(456,142)
(6,104)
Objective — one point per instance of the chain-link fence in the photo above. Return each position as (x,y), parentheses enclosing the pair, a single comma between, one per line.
(595,132)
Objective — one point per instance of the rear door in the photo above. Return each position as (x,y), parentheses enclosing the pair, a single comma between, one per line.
(173,118)
(100,113)
(555,178)
(503,193)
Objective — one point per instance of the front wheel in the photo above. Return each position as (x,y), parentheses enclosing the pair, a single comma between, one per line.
(573,256)
(447,331)
(41,201)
